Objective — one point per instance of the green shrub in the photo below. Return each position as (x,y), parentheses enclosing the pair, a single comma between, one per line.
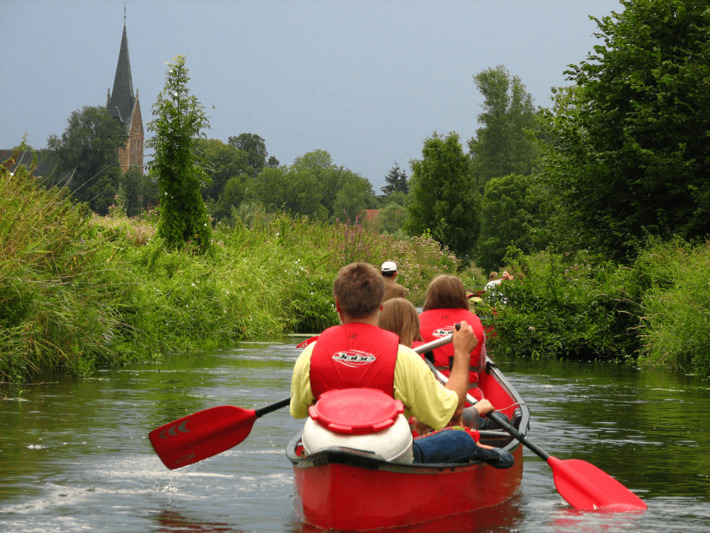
(563,306)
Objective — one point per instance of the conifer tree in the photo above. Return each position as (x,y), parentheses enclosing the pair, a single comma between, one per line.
(180,118)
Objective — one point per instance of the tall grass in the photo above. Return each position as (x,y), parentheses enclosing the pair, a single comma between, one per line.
(56,300)
(81,291)
(675,314)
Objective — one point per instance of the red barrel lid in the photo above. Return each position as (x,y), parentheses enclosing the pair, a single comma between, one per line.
(356,411)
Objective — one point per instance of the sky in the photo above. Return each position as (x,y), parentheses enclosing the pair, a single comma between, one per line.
(366,81)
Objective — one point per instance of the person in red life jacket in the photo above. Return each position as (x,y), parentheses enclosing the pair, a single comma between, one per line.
(400,316)
(445,305)
(358,353)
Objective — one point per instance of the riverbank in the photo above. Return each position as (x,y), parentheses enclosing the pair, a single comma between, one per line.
(81,292)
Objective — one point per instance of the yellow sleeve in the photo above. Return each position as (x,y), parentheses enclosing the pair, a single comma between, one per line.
(422,395)
(301,393)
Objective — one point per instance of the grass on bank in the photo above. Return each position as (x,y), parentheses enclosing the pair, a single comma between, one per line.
(81,291)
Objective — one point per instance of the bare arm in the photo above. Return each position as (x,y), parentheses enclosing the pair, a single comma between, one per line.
(464,342)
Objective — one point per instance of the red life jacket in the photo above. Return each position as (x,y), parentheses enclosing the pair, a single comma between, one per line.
(354,355)
(437,323)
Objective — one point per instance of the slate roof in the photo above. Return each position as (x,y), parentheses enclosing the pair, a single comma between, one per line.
(121,100)
(46,161)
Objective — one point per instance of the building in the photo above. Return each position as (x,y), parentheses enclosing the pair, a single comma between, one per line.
(125,106)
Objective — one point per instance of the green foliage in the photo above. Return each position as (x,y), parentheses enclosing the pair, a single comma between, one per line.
(442,198)
(675,314)
(631,138)
(563,306)
(391,218)
(220,162)
(80,292)
(254,149)
(396,180)
(505,144)
(506,219)
(87,157)
(58,300)
(179,120)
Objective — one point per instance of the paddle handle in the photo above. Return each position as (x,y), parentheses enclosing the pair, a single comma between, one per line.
(271,407)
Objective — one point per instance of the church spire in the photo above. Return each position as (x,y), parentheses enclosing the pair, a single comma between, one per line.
(120,104)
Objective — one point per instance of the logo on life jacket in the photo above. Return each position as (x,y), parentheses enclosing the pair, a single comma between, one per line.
(443,332)
(354,358)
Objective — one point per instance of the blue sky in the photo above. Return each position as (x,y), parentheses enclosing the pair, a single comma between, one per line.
(367,81)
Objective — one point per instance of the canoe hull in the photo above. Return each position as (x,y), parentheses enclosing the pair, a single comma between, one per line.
(346,496)
(346,489)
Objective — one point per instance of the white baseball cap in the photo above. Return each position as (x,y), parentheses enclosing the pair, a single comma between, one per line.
(389,266)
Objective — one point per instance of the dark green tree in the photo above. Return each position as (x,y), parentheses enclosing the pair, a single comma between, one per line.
(396,181)
(506,217)
(443,200)
(354,196)
(254,147)
(87,157)
(632,143)
(220,162)
(505,143)
(178,123)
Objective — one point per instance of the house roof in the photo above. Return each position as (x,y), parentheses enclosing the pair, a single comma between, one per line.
(46,160)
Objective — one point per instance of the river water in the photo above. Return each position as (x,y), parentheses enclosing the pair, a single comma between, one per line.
(75,455)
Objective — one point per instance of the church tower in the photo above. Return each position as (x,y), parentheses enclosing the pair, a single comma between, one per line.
(125,107)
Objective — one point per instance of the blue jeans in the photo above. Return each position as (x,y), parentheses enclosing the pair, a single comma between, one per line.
(457,446)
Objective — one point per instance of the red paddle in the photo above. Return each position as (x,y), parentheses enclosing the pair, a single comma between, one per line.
(212,431)
(584,486)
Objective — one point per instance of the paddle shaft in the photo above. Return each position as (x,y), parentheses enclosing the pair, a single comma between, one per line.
(499,420)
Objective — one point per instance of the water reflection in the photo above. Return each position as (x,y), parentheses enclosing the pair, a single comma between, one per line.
(74,453)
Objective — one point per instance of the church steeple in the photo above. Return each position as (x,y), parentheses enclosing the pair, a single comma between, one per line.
(124,106)
(120,103)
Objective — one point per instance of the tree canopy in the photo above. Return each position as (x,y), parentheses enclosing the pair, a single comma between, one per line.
(444,201)
(396,180)
(504,144)
(631,137)
(87,157)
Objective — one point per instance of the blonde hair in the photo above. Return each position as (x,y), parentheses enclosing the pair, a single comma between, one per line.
(445,292)
(399,316)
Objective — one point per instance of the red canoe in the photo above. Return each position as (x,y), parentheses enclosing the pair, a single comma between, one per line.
(344,489)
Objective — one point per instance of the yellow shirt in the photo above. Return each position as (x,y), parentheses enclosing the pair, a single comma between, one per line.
(414,384)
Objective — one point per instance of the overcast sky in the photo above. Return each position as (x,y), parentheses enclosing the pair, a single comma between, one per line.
(367,81)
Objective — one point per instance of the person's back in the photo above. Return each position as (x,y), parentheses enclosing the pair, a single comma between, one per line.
(447,304)
(358,291)
(392,288)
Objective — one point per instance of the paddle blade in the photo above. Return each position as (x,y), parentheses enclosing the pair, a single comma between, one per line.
(201,435)
(588,488)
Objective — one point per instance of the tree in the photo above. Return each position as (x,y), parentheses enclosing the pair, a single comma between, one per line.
(254,147)
(354,196)
(631,151)
(396,181)
(87,157)
(504,145)
(443,199)
(220,162)
(506,217)
(179,121)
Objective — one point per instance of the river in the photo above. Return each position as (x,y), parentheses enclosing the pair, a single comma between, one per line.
(75,455)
